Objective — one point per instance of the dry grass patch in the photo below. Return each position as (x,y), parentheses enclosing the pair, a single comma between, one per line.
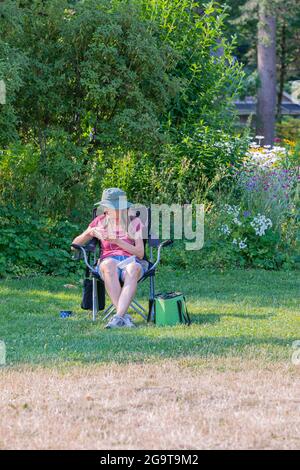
(168,405)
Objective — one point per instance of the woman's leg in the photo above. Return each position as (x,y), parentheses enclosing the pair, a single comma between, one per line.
(110,276)
(131,275)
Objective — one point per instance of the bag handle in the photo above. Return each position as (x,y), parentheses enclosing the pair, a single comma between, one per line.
(151,304)
(179,307)
(187,315)
(183,314)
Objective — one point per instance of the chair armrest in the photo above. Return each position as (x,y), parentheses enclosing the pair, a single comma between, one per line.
(76,247)
(83,250)
(91,245)
(160,246)
(165,243)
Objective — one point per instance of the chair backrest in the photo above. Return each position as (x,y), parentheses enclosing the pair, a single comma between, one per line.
(153,238)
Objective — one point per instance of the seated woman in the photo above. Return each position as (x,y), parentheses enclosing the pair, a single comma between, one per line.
(119,241)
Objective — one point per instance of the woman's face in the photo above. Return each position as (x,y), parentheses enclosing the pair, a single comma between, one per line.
(114,214)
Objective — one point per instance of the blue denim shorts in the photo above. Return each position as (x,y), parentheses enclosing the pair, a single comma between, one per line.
(120,258)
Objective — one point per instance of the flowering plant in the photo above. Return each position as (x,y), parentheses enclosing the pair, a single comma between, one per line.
(259,224)
(266,184)
(250,235)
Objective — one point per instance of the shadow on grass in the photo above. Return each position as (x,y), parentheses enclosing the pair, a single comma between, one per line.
(48,340)
(60,297)
(204,318)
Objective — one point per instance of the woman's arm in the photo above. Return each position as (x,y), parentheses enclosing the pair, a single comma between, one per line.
(137,249)
(84,237)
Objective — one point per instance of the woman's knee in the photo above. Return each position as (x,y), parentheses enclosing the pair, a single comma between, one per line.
(133,271)
(108,266)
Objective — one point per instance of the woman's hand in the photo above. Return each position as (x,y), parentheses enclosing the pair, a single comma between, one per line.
(97,232)
(90,231)
(102,235)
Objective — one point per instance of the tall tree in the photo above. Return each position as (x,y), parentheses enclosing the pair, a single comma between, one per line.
(266,67)
(245,20)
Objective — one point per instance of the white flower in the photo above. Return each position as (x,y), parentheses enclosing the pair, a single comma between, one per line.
(276,148)
(242,244)
(261,223)
(232,210)
(225,229)
(236,221)
(264,157)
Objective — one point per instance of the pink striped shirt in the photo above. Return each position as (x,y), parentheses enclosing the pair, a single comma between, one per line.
(111,249)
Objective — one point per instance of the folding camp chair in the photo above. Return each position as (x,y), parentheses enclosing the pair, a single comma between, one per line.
(93,250)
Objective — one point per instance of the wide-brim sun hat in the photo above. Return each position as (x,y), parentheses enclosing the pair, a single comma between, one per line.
(113,198)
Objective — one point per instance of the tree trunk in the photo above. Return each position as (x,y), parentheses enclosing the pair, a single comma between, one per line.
(266,65)
(282,69)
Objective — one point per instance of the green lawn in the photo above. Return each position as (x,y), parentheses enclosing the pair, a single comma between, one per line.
(253,314)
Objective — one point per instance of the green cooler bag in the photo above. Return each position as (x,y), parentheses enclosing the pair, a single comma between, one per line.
(170,309)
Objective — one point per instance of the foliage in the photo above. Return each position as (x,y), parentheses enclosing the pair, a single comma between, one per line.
(131,94)
(57,181)
(209,75)
(184,172)
(289,128)
(93,70)
(12,63)
(267,182)
(109,92)
(262,217)
(252,219)
(37,244)
(136,173)
(193,167)
(251,237)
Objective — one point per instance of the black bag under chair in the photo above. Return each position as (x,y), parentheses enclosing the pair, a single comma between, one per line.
(93,286)
(87,294)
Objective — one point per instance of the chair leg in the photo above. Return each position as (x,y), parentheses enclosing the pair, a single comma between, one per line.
(95,299)
(135,305)
(151,300)
(139,305)
(108,311)
(138,311)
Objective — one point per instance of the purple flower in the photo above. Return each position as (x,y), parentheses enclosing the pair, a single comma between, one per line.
(247,213)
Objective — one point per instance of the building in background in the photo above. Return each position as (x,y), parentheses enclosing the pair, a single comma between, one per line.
(290,106)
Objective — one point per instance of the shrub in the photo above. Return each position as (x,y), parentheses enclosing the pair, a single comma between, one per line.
(289,129)
(191,169)
(251,237)
(30,242)
(262,214)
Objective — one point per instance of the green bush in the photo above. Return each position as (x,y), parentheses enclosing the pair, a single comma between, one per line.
(108,93)
(193,167)
(29,243)
(289,128)
(110,84)
(258,217)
